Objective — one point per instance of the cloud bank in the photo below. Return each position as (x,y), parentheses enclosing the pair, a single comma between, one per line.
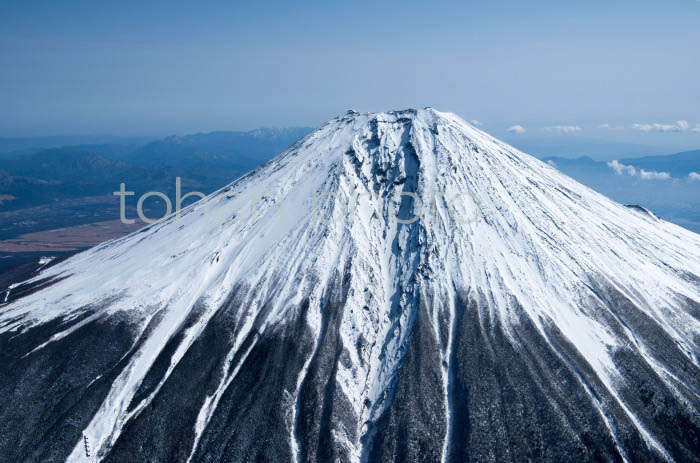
(611,127)
(654,175)
(679,126)
(516,129)
(620,169)
(564,128)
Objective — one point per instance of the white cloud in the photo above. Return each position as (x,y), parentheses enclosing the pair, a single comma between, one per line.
(679,126)
(694,177)
(476,123)
(564,128)
(696,129)
(517,129)
(620,169)
(610,127)
(654,175)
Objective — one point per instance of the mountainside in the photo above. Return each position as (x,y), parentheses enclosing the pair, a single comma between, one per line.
(394,287)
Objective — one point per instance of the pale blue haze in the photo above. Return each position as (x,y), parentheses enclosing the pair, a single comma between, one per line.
(85,67)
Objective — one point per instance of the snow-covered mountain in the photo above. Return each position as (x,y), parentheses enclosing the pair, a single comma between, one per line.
(394,287)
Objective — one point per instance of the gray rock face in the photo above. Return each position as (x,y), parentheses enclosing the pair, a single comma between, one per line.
(531,320)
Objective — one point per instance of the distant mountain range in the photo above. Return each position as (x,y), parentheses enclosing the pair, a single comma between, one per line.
(677,165)
(11,147)
(205,161)
(39,172)
(667,186)
(567,146)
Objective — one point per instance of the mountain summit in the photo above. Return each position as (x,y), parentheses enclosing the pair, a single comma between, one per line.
(395,287)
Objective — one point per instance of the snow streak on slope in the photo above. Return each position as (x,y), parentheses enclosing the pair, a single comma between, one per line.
(324,234)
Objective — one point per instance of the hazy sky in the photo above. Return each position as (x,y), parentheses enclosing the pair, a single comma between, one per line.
(85,67)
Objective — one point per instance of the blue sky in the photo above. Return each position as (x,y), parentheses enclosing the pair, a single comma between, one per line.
(79,67)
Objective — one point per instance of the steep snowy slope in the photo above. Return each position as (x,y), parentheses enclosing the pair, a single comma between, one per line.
(395,287)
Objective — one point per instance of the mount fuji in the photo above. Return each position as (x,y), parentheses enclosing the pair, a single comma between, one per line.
(395,287)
